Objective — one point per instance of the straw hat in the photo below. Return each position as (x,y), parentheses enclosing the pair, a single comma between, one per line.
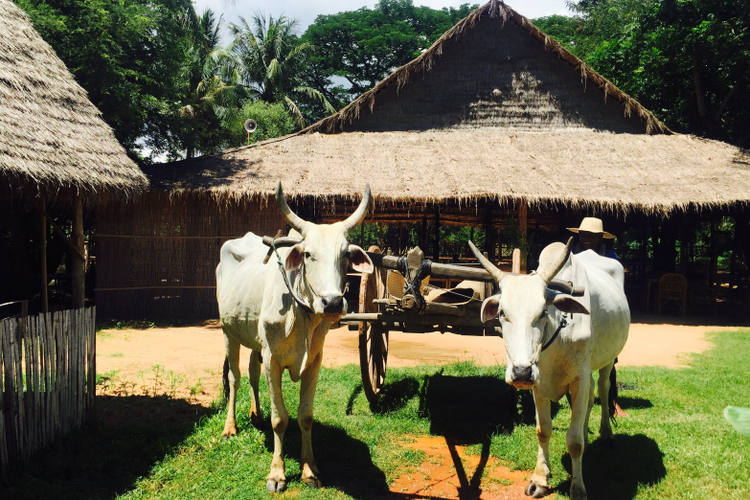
(592,225)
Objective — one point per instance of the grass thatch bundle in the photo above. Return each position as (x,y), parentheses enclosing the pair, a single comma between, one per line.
(50,133)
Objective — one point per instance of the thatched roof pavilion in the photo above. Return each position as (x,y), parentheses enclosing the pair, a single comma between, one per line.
(53,141)
(51,136)
(496,126)
(494,109)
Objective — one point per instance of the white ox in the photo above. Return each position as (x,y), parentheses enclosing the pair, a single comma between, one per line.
(258,311)
(597,328)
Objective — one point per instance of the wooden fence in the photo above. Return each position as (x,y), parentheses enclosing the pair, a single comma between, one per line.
(47,379)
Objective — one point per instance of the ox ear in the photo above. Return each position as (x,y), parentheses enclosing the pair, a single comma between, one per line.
(294,259)
(359,261)
(569,304)
(490,308)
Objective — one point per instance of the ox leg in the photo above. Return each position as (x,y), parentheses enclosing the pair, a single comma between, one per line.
(605,431)
(233,355)
(581,393)
(305,421)
(279,420)
(588,412)
(253,371)
(539,484)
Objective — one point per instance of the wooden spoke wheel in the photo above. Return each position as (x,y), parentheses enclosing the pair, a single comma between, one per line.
(373,338)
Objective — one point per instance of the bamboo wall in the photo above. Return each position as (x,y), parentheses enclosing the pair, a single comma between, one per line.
(156,257)
(47,379)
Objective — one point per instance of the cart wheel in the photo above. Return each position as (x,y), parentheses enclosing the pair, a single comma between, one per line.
(373,338)
(373,359)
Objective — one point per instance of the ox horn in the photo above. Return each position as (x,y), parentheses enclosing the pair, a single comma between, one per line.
(294,220)
(548,272)
(359,214)
(489,266)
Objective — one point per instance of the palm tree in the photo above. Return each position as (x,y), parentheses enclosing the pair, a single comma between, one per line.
(270,59)
(213,92)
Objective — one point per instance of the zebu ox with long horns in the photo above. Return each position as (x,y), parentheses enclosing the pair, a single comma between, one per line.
(554,341)
(282,309)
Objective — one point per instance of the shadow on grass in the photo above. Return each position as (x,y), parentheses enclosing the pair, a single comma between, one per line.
(393,396)
(469,410)
(344,462)
(616,472)
(131,434)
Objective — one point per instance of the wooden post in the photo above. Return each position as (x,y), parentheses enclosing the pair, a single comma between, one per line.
(43,219)
(77,273)
(523,222)
(436,243)
(490,239)
(423,232)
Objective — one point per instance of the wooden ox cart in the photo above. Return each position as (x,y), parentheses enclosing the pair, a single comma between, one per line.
(395,297)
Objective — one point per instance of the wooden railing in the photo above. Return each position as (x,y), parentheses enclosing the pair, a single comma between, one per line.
(47,379)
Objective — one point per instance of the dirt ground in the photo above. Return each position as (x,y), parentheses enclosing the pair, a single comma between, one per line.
(185,362)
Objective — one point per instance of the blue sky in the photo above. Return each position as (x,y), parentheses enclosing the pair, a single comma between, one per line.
(304,11)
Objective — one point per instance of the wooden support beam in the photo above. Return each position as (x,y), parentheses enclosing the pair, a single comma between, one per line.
(77,272)
(43,220)
(436,243)
(71,246)
(490,234)
(523,226)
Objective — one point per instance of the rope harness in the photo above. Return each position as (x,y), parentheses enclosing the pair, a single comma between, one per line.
(542,346)
(305,306)
(302,304)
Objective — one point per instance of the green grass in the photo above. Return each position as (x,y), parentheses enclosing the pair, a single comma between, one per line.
(675,442)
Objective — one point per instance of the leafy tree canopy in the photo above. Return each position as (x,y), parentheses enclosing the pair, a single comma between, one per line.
(128,55)
(365,45)
(686,60)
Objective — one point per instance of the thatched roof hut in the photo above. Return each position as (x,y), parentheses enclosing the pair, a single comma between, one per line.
(494,109)
(51,136)
(54,145)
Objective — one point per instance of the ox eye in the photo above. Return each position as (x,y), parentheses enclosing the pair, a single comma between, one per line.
(307,255)
(541,316)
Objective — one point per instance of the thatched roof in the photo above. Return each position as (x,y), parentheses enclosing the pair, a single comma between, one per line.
(494,68)
(51,136)
(493,110)
(612,171)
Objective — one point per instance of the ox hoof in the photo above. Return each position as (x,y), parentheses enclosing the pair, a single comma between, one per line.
(536,490)
(577,492)
(312,481)
(228,433)
(274,486)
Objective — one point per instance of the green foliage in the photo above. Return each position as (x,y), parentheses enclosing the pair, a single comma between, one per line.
(686,60)
(270,58)
(273,120)
(128,55)
(364,45)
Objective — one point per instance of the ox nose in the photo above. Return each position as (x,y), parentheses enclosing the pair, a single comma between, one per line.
(333,303)
(522,374)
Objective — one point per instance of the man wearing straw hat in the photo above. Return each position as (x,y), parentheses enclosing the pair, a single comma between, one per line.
(591,236)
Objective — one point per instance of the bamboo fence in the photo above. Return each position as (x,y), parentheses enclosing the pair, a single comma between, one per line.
(47,379)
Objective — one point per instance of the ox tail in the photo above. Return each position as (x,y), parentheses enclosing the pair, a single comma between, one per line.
(225,378)
(612,396)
